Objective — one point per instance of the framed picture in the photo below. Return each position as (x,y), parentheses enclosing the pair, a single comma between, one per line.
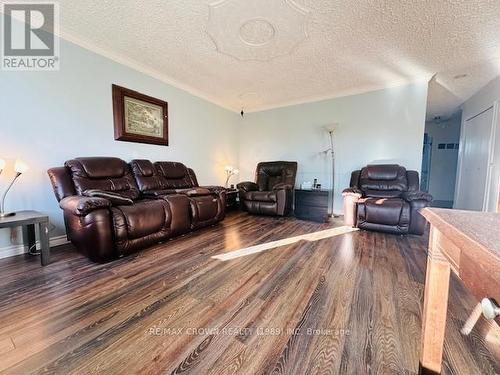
(139,118)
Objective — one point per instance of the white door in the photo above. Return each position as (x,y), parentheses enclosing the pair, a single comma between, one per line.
(475,161)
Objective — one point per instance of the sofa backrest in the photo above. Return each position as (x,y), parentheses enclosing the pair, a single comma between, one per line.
(102,173)
(270,173)
(162,175)
(146,176)
(174,175)
(384,180)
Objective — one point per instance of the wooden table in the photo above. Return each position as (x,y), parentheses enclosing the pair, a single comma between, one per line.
(467,243)
(28,220)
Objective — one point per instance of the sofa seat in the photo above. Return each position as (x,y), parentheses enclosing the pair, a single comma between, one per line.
(389,214)
(141,224)
(260,196)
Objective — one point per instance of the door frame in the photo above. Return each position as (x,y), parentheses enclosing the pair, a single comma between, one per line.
(495,118)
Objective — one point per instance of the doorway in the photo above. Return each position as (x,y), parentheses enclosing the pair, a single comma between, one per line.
(440,157)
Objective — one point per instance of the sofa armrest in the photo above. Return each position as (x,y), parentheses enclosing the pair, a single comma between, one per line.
(215,189)
(114,198)
(81,206)
(248,186)
(157,193)
(352,191)
(282,186)
(194,192)
(411,196)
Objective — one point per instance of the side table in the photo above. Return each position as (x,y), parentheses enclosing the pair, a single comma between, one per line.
(311,205)
(28,220)
(231,198)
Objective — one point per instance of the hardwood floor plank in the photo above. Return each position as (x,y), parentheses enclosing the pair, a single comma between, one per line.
(348,304)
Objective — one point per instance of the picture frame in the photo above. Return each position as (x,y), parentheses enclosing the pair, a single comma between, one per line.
(139,117)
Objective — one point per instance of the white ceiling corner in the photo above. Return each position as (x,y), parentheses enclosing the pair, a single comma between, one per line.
(351,46)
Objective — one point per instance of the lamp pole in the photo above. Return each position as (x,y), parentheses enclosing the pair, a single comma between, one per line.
(333,173)
(2,201)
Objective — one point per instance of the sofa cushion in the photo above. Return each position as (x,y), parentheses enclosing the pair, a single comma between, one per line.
(394,212)
(261,196)
(387,179)
(174,175)
(141,219)
(102,173)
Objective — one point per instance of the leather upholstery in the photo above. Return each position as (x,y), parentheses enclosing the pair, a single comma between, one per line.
(130,207)
(61,182)
(385,198)
(81,206)
(163,178)
(272,192)
(107,174)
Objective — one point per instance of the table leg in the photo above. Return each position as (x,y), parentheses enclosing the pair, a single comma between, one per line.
(437,280)
(44,243)
(29,236)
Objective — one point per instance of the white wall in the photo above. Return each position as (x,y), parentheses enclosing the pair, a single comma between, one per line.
(380,126)
(488,96)
(443,168)
(49,117)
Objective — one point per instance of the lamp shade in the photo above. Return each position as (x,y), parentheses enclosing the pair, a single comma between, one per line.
(20,166)
(2,164)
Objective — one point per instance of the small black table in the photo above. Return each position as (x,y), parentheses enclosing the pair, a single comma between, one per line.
(28,220)
(311,205)
(231,198)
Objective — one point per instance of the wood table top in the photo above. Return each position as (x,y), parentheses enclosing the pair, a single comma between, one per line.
(481,230)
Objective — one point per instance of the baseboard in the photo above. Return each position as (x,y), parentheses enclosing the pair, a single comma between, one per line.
(9,251)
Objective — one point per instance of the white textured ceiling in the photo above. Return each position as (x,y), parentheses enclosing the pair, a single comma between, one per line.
(351,46)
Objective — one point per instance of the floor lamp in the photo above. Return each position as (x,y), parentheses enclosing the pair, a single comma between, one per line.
(330,129)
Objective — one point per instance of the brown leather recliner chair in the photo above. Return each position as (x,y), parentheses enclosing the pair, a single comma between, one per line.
(385,198)
(272,193)
(107,216)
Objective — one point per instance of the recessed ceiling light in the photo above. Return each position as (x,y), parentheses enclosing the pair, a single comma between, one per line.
(459,76)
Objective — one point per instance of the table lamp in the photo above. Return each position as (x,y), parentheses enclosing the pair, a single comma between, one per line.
(20,167)
(230,171)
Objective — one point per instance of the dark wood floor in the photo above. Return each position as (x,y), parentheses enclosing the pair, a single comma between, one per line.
(349,304)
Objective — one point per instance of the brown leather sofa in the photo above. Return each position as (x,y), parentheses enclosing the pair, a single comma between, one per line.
(385,198)
(112,209)
(272,193)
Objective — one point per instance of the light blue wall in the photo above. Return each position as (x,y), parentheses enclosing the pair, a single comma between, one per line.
(374,127)
(49,117)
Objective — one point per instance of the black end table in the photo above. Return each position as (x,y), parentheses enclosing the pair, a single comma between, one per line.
(28,220)
(311,205)
(231,198)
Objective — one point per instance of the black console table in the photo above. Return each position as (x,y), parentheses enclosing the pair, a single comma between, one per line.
(28,220)
(311,205)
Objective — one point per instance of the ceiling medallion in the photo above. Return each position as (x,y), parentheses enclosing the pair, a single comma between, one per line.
(257,32)
(258,29)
